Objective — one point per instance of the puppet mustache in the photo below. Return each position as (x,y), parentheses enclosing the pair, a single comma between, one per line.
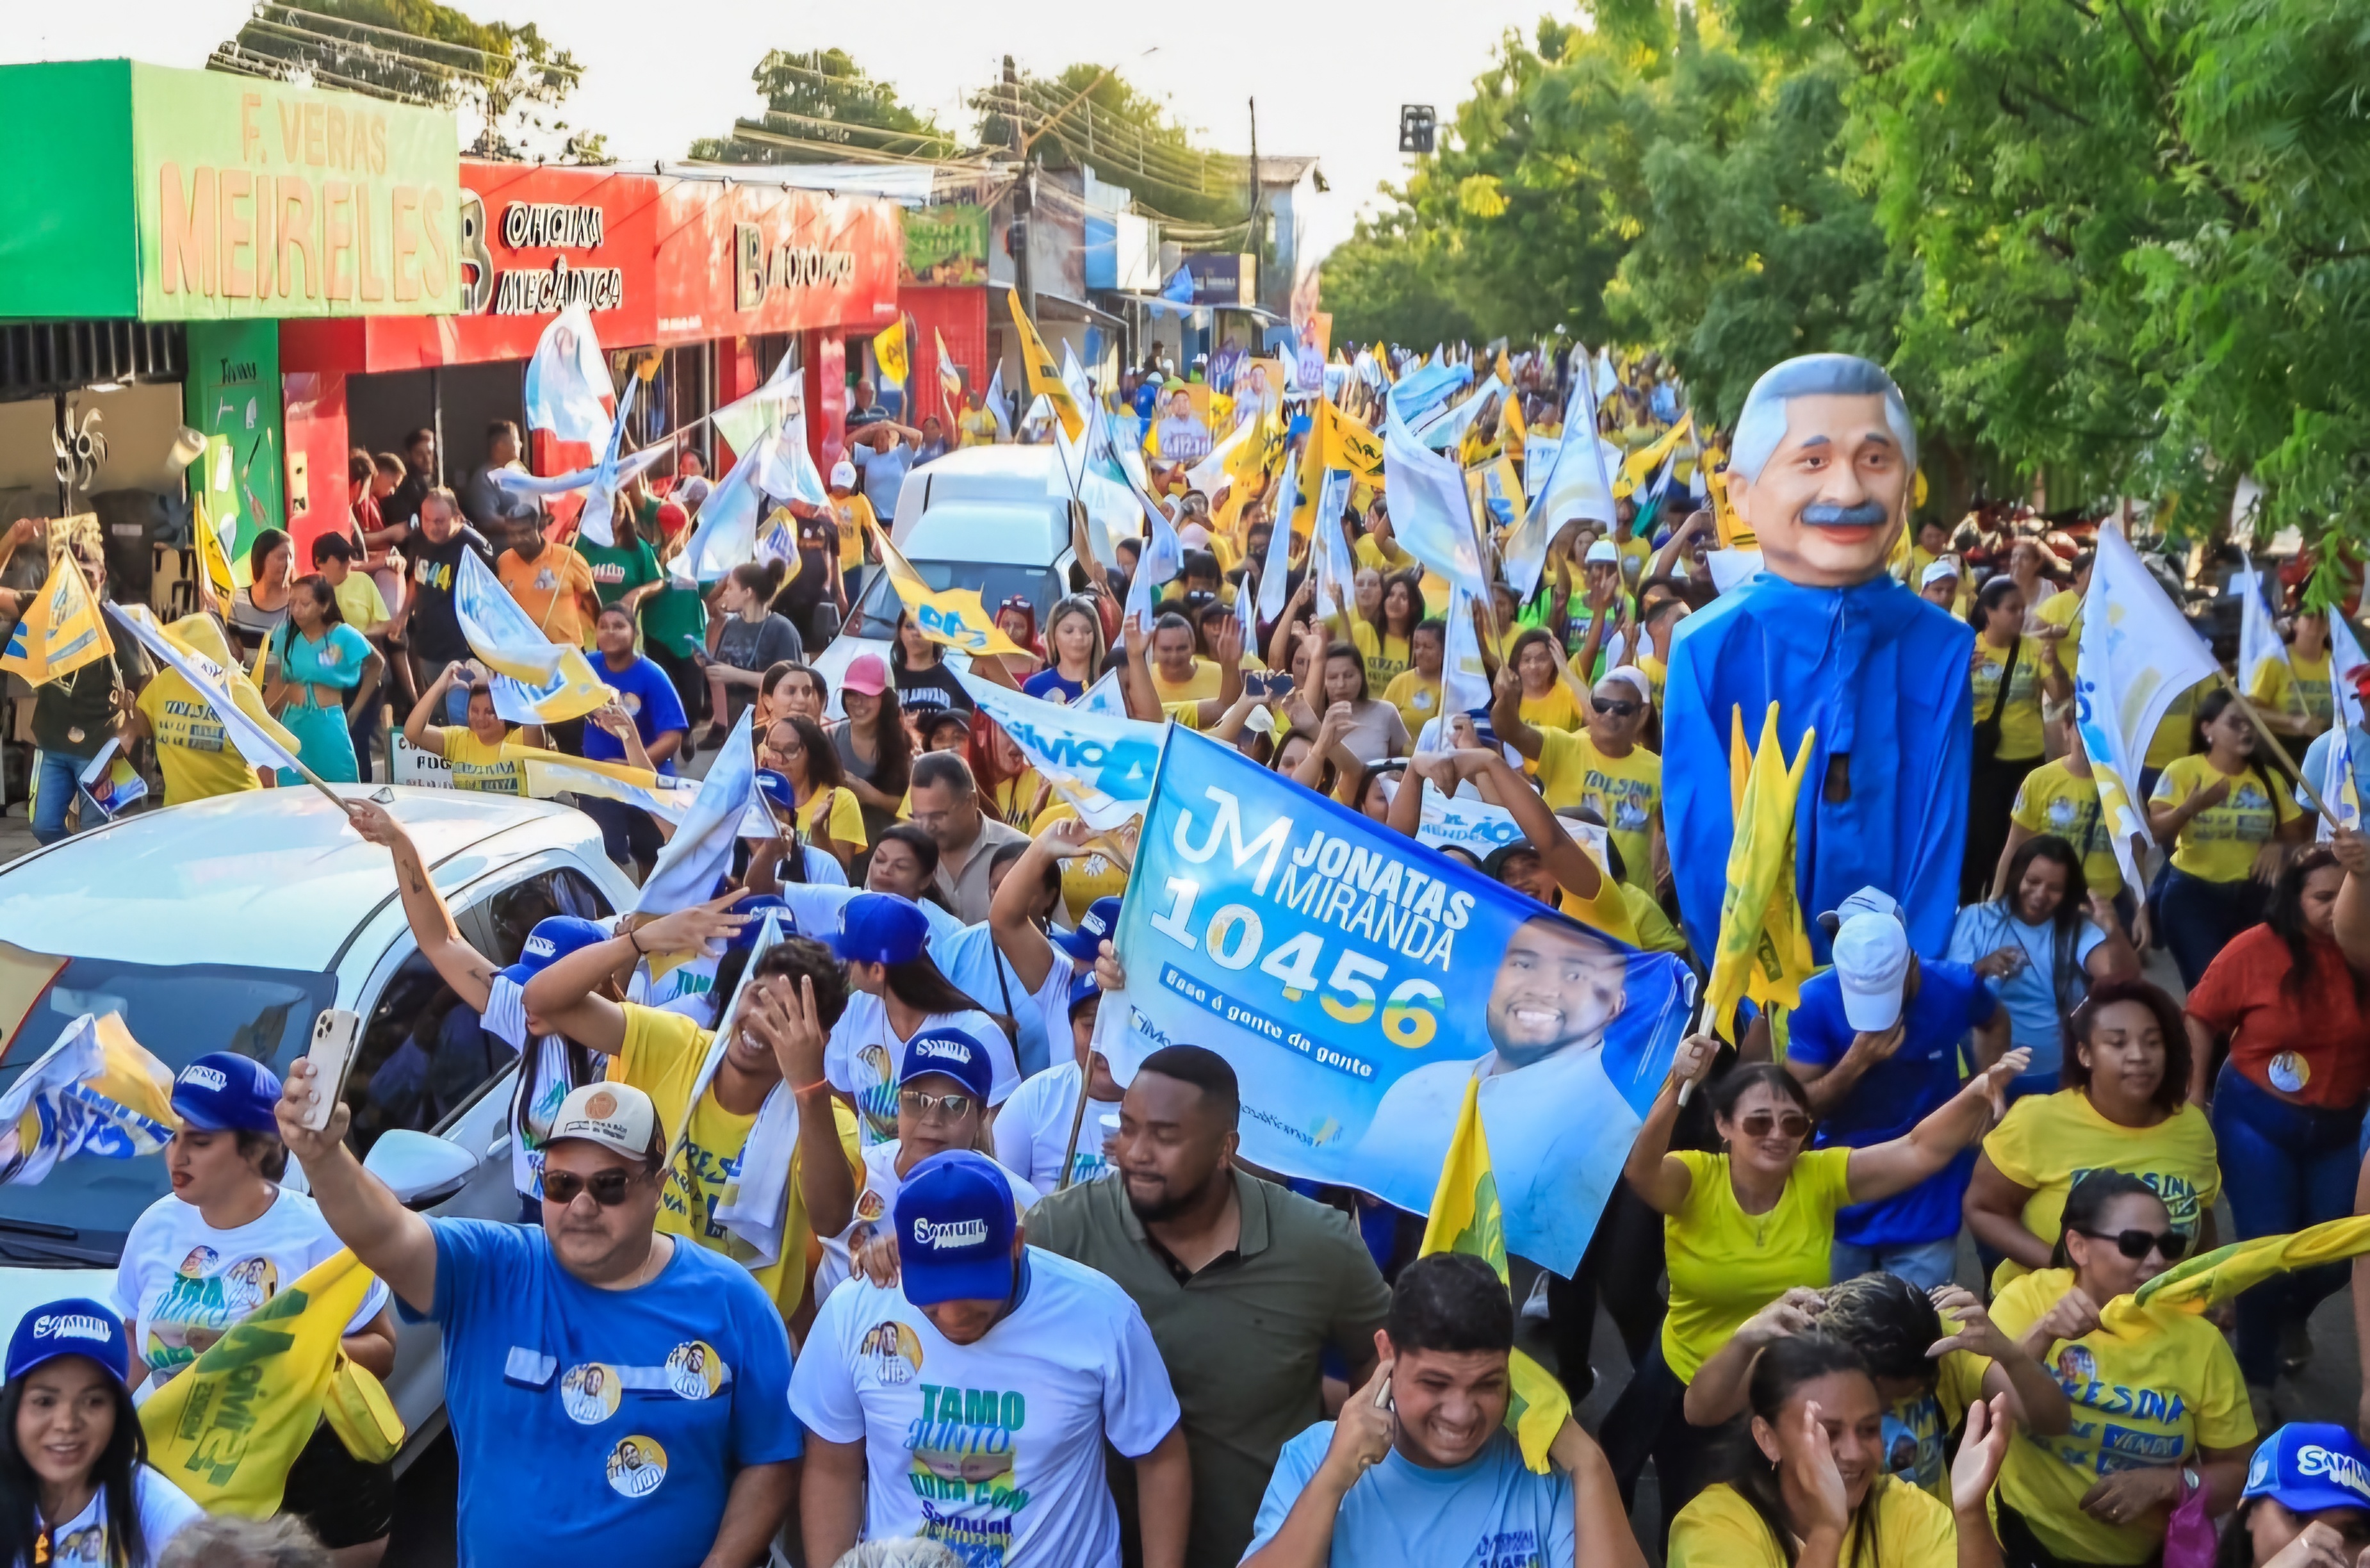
(1867,514)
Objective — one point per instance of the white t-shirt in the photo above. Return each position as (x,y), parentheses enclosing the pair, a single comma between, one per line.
(164,1510)
(874,1200)
(546,1076)
(183,1282)
(972,960)
(864,1056)
(996,1448)
(1032,1128)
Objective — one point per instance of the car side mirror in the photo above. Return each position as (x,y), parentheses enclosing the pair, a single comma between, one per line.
(420,1169)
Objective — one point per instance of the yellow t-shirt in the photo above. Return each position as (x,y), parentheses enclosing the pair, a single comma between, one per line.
(1559,710)
(662,1056)
(1636,556)
(2219,843)
(847,817)
(359,602)
(1718,1528)
(1416,699)
(1016,798)
(2020,715)
(1655,932)
(1725,1265)
(548,589)
(2065,609)
(1366,553)
(1085,877)
(977,427)
(2174,732)
(1627,792)
(2048,1142)
(197,757)
(853,513)
(1200,688)
(1386,657)
(2152,1399)
(477,766)
(2054,800)
(2296,687)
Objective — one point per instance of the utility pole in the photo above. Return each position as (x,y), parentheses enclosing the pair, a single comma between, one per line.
(1024,193)
(1252,237)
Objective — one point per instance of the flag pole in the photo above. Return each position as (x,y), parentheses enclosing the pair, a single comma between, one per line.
(1078,1117)
(2255,717)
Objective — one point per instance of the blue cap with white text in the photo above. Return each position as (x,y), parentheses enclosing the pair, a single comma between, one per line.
(2309,1465)
(1095,928)
(77,1326)
(952,1053)
(955,1230)
(553,938)
(222,1091)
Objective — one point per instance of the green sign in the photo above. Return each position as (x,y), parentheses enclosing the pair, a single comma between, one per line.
(137,190)
(233,392)
(946,245)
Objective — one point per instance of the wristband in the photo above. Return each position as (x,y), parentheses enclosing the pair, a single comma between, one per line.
(810,1088)
(634,940)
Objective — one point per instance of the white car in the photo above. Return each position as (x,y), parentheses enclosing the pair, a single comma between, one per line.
(229,925)
(980,517)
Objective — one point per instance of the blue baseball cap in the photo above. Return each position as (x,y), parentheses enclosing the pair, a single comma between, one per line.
(77,1326)
(757,906)
(776,788)
(954,1230)
(880,928)
(1084,988)
(553,938)
(1095,928)
(222,1091)
(952,1053)
(2307,1466)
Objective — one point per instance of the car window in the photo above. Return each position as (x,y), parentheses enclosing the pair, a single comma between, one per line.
(876,613)
(424,1056)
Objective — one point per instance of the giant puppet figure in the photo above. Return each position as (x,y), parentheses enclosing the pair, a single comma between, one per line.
(1820,472)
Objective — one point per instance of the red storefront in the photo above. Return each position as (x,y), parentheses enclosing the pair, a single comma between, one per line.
(722,278)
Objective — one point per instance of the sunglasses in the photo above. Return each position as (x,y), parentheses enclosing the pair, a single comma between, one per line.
(607,1187)
(1760,1123)
(927,1107)
(2136,1244)
(1614,708)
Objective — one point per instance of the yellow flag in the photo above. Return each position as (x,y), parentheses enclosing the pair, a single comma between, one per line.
(1733,534)
(228,1426)
(1640,466)
(1465,1217)
(212,562)
(1505,368)
(2211,1279)
(62,630)
(1517,432)
(1044,376)
(891,352)
(1763,950)
(954,617)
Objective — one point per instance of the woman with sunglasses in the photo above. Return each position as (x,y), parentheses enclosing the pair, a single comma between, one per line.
(1601,766)
(1742,1226)
(2123,1108)
(1017,618)
(2158,1407)
(1073,639)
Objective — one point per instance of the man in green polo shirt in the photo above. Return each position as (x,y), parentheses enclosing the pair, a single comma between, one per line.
(1242,1282)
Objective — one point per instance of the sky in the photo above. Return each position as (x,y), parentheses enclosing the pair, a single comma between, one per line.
(657,77)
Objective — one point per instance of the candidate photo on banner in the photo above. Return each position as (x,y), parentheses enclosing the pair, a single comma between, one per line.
(1337,965)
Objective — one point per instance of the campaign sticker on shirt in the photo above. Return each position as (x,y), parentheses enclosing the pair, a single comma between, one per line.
(2290,1073)
(589,1393)
(891,1351)
(2076,1362)
(694,1369)
(871,1205)
(86,1545)
(631,701)
(635,1466)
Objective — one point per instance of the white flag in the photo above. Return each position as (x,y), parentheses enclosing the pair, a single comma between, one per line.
(700,853)
(1573,484)
(2258,636)
(567,390)
(1102,765)
(1429,512)
(255,743)
(1278,566)
(1464,678)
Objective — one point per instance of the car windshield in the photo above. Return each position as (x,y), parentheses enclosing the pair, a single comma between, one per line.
(77,1216)
(876,613)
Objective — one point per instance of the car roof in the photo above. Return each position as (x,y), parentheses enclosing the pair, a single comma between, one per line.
(992,532)
(265,878)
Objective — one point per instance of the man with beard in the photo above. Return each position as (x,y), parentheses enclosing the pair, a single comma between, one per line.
(1242,1282)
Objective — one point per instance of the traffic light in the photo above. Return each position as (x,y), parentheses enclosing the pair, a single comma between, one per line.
(1416,124)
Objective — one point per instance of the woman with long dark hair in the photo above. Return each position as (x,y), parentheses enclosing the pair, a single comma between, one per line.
(317,660)
(876,753)
(750,639)
(2306,1503)
(797,748)
(897,991)
(75,1485)
(924,678)
(2292,1017)
(2011,673)
(2040,946)
(2229,819)
(258,610)
(1385,640)
(1809,1488)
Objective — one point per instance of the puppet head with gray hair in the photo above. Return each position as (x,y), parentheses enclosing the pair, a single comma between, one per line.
(1822,467)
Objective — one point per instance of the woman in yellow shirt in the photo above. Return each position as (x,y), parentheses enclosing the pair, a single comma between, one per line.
(828,812)
(1813,1490)
(473,753)
(1547,701)
(2159,1408)
(1386,641)
(2229,820)
(1415,692)
(1741,1227)
(2125,1107)
(2009,672)
(2293,694)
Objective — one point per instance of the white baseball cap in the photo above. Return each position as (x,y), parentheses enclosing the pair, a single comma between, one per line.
(1935,570)
(843,474)
(1867,901)
(1602,551)
(1872,966)
(617,1116)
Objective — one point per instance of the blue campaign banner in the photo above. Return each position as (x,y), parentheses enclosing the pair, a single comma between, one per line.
(1356,979)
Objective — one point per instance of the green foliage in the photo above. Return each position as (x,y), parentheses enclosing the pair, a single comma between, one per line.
(823,97)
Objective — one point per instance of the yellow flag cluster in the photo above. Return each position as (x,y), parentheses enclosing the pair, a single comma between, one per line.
(1763,952)
(1640,466)
(1465,1217)
(227,1427)
(61,630)
(2211,1279)
(954,617)
(1044,376)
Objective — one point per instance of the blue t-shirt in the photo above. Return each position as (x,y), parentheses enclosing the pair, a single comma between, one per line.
(2316,762)
(1050,685)
(336,660)
(1896,1094)
(599,1427)
(884,476)
(1488,1513)
(2030,994)
(649,697)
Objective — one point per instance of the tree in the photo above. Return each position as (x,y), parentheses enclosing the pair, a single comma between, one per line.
(820,104)
(510,80)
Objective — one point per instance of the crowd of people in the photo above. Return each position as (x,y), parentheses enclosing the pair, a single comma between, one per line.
(853,1243)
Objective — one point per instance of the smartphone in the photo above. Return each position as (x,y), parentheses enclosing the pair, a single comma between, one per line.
(336,1033)
(1279,685)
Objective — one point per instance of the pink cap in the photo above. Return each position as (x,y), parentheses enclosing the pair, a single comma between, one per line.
(868,673)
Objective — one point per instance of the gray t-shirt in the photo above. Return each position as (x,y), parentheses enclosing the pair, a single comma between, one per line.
(884,476)
(488,506)
(754,645)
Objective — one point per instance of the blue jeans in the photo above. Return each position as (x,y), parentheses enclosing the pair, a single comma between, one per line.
(2199,917)
(2284,1167)
(57,784)
(1923,1263)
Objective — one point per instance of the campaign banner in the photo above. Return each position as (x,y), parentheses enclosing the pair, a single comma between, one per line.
(1317,950)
